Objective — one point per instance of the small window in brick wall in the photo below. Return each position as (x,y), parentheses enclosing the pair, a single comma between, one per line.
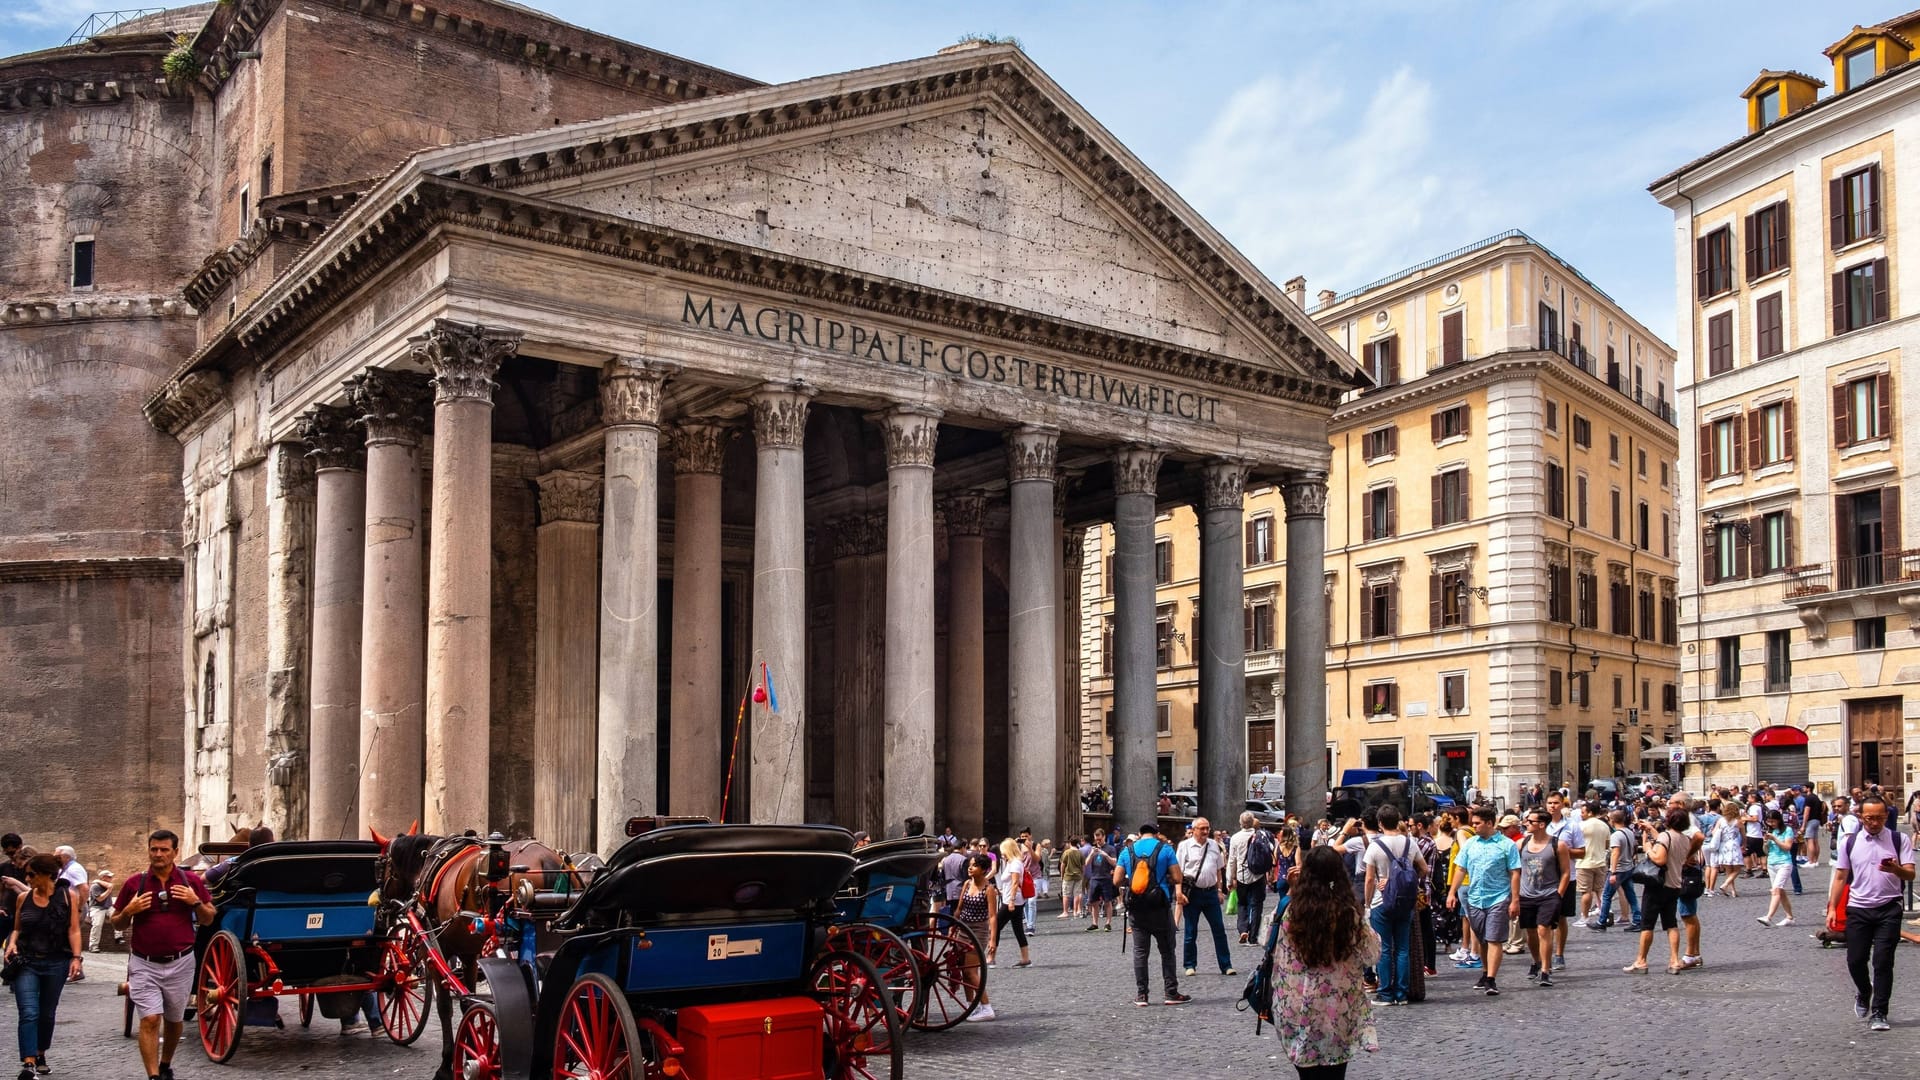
(82,263)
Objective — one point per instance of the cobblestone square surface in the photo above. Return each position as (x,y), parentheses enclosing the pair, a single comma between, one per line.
(1770,1003)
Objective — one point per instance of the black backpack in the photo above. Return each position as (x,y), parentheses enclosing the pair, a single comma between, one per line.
(1259,853)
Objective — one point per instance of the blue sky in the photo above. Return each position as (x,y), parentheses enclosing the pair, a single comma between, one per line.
(1340,140)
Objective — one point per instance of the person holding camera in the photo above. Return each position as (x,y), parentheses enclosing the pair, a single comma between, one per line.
(160,905)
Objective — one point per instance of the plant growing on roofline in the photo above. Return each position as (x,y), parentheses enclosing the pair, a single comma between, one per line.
(989,39)
(180,64)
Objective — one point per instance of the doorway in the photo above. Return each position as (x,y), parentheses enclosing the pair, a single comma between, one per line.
(1874,744)
(1164,767)
(1260,746)
(1453,761)
(1586,762)
(1556,758)
(1780,755)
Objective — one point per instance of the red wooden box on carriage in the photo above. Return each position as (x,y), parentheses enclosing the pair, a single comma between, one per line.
(775,1039)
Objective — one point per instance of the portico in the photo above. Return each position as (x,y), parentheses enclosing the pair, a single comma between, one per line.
(773,390)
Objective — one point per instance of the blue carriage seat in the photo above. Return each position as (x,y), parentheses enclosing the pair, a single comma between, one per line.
(299,892)
(887,880)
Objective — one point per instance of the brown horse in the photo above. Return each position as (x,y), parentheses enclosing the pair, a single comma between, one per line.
(445,880)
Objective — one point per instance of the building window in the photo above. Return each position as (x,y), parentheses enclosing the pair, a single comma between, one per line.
(1769,333)
(1580,689)
(1767,102)
(1449,497)
(1613,449)
(1163,639)
(1620,605)
(1720,343)
(1863,410)
(1726,681)
(1447,599)
(1450,423)
(1855,200)
(1587,588)
(246,210)
(1379,615)
(1616,513)
(1383,361)
(1767,240)
(1646,530)
(1260,540)
(1725,557)
(1770,431)
(1556,491)
(1559,585)
(1870,633)
(1260,626)
(1866,535)
(1720,447)
(1378,513)
(1381,698)
(1453,337)
(1666,475)
(1163,718)
(1453,693)
(1580,500)
(1643,465)
(1779,660)
(1553,416)
(1162,561)
(1553,688)
(1713,263)
(1860,66)
(1669,698)
(1666,535)
(1647,630)
(1618,703)
(1380,443)
(266,176)
(81,272)
(1860,296)
(1549,327)
(1582,431)
(1106,645)
(1669,620)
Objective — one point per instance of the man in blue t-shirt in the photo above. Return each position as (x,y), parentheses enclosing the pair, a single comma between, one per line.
(1490,865)
(1151,908)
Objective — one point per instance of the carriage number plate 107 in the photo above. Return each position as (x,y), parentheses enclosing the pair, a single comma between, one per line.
(316,920)
(719,948)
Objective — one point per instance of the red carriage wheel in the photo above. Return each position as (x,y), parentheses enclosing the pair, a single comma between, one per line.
(221,996)
(406,991)
(306,1010)
(476,1044)
(861,1027)
(953,971)
(596,1038)
(900,970)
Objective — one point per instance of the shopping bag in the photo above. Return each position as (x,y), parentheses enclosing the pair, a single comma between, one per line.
(1233,902)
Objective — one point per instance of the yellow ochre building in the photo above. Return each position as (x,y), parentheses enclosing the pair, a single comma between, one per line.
(1801,597)
(1502,542)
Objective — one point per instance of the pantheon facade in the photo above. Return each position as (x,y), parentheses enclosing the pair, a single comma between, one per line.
(579,443)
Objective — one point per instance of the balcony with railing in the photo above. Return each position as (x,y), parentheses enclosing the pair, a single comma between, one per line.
(1608,374)
(1884,571)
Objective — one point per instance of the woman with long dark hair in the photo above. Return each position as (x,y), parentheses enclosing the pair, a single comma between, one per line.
(1320,1002)
(45,943)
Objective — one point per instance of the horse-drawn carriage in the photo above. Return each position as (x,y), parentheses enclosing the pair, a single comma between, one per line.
(932,963)
(293,921)
(697,951)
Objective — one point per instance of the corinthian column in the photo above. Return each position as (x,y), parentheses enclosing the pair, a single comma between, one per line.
(910,434)
(393,635)
(1033,633)
(1223,644)
(566,552)
(1136,471)
(339,456)
(464,360)
(629,742)
(966,665)
(696,699)
(1306,660)
(780,601)
(289,554)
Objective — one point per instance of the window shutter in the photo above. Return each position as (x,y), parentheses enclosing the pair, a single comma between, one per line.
(1392,364)
(1739,465)
(1840,302)
(1393,609)
(1883,404)
(1740,550)
(1755,452)
(1435,418)
(1465,507)
(1366,612)
(1873,200)
(1252,642)
(1710,556)
(1881,309)
(1393,698)
(1435,610)
(1366,515)
(1393,440)
(1393,511)
(1781,250)
(1439,512)
(1786,537)
(1466,420)
(1842,421)
(1837,210)
(1702,276)
(1890,529)
(1707,464)
(1753,245)
(1453,338)
(1246,531)
(1843,530)
(1786,427)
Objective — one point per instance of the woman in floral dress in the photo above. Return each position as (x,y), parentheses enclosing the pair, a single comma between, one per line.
(1320,1003)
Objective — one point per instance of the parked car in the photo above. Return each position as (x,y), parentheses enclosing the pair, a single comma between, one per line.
(1422,781)
(1639,784)
(1267,812)
(1608,788)
(1352,800)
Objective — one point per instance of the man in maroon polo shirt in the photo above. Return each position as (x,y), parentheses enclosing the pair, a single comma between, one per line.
(161,905)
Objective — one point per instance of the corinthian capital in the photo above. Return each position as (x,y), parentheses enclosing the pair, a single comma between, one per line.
(389,405)
(700,447)
(1031,453)
(333,440)
(630,392)
(1223,485)
(1136,470)
(569,496)
(963,511)
(1305,495)
(464,358)
(780,415)
(911,432)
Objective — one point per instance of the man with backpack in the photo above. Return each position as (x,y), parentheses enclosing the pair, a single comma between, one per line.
(1249,864)
(1873,864)
(1148,875)
(1394,873)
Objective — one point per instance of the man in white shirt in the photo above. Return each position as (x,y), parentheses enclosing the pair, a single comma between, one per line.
(1203,869)
(1396,933)
(1248,876)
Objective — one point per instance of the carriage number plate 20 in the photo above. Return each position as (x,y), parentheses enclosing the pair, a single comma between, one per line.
(719,948)
(316,920)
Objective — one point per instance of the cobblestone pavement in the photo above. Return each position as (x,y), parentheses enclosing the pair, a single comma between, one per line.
(1769,1004)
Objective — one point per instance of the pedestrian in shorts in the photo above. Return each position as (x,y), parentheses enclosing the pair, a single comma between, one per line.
(1490,864)
(1545,867)
(160,907)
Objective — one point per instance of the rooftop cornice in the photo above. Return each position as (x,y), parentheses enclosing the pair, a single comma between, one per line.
(89,306)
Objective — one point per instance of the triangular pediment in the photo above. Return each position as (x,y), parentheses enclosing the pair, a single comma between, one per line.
(970,174)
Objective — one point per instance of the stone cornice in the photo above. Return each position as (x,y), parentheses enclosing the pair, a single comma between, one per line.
(161,566)
(185,399)
(91,307)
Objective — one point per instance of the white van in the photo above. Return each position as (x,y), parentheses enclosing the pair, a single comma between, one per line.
(1267,785)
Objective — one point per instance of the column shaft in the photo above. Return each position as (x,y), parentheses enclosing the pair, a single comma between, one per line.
(966,667)
(629,745)
(778,740)
(1135,674)
(870,721)
(910,716)
(1033,633)
(1306,655)
(289,628)
(565,658)
(697,700)
(339,565)
(849,675)
(393,633)
(1223,660)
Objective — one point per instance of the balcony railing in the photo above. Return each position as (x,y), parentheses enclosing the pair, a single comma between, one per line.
(1577,355)
(1885,568)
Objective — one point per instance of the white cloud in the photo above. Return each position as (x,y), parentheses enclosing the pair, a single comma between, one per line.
(1305,182)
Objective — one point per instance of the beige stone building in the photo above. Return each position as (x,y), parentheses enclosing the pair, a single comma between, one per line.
(1502,541)
(1801,597)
